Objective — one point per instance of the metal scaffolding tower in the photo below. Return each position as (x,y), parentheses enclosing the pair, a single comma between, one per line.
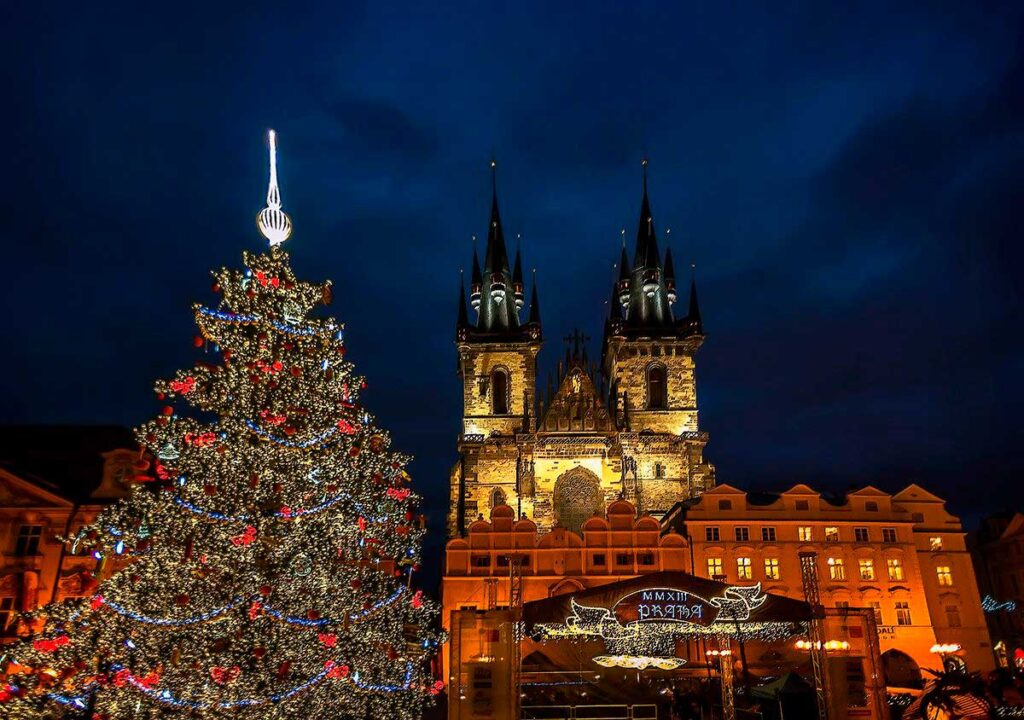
(815,629)
(515,601)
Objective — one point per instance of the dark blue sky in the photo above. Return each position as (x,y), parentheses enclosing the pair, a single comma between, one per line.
(849,183)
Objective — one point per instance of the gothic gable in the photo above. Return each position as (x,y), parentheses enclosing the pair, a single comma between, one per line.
(576,406)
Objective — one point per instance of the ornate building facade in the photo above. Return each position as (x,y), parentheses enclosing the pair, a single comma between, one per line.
(53,482)
(626,427)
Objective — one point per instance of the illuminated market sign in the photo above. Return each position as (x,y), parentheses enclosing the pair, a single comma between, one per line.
(664,605)
(640,628)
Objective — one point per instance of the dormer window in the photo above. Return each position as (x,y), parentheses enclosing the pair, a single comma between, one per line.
(499,392)
(657,390)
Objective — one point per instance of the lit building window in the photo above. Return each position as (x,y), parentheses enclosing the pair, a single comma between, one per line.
(935,543)
(804,533)
(7,613)
(952,616)
(481,561)
(742,534)
(831,534)
(28,540)
(725,504)
(599,559)
(771,568)
(711,534)
(715,567)
(871,506)
(659,470)
(902,613)
(945,575)
(743,570)
(888,535)
(624,559)
(860,534)
(895,568)
(867,569)
(645,558)
(836,570)
(768,534)
(877,607)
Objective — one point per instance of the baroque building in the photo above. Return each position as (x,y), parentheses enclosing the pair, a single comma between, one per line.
(54,480)
(625,427)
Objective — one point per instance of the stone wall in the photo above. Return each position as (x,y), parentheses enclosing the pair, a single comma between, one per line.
(477,364)
(628,362)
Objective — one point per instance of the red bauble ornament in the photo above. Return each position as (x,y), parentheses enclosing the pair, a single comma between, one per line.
(296,370)
(392,654)
(356,583)
(167,410)
(254,480)
(183,599)
(215,287)
(227,354)
(265,590)
(289,430)
(259,652)
(312,615)
(354,451)
(284,669)
(210,489)
(198,341)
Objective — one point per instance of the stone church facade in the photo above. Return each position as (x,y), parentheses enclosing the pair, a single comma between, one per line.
(625,427)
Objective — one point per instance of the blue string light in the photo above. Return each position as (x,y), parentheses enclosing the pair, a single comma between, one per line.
(170,622)
(243,518)
(276,324)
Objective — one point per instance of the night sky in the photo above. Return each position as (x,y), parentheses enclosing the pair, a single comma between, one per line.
(848,183)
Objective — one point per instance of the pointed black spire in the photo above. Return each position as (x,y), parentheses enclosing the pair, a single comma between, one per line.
(670,276)
(498,311)
(623,260)
(463,318)
(694,313)
(534,302)
(517,278)
(614,307)
(476,280)
(646,245)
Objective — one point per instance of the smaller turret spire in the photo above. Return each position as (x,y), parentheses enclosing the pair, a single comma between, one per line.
(517,277)
(694,312)
(534,301)
(273,222)
(670,274)
(476,280)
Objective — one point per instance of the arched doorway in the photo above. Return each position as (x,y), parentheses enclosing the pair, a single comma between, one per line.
(577,497)
(900,669)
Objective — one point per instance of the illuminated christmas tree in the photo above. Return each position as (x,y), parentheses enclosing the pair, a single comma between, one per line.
(269,552)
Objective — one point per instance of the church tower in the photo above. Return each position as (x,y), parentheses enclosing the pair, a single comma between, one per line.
(497,362)
(648,359)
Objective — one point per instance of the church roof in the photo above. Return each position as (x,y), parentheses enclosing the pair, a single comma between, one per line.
(497,289)
(647,291)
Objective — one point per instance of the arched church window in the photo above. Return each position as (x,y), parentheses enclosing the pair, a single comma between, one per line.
(657,390)
(499,392)
(577,496)
(498,498)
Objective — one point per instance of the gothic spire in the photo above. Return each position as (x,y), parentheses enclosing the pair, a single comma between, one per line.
(517,277)
(476,280)
(694,313)
(534,302)
(670,276)
(646,255)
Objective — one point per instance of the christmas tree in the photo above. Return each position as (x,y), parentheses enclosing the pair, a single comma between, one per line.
(269,549)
